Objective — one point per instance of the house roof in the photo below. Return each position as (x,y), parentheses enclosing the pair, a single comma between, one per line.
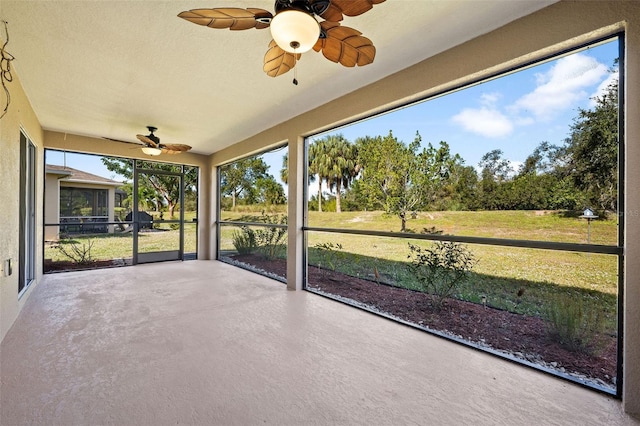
(74,175)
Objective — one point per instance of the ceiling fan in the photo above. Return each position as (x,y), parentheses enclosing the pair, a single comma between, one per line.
(295,29)
(151,144)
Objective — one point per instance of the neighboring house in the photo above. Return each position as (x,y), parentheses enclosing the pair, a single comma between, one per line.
(73,195)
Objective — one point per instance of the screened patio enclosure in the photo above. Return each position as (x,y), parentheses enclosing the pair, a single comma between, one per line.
(98,226)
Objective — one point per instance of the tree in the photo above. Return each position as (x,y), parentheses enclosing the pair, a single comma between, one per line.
(315,153)
(591,151)
(337,163)
(284,171)
(396,177)
(541,160)
(269,191)
(495,171)
(155,188)
(239,178)
(498,169)
(464,181)
(436,173)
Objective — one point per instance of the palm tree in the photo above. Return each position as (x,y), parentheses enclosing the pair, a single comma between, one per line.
(339,165)
(284,171)
(316,153)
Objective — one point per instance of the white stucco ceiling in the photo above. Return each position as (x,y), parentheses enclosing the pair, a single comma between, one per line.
(110,68)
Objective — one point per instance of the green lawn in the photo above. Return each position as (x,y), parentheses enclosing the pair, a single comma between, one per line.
(120,245)
(500,273)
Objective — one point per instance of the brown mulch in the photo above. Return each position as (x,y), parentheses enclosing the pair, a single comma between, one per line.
(520,336)
(67,265)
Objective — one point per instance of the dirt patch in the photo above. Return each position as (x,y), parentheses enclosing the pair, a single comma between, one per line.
(64,265)
(519,336)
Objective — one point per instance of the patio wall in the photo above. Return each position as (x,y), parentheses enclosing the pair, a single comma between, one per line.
(20,116)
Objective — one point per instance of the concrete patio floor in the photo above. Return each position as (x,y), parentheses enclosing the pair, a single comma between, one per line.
(205,343)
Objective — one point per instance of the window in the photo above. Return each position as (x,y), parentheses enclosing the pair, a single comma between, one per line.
(465,215)
(83,202)
(252,226)
(27,212)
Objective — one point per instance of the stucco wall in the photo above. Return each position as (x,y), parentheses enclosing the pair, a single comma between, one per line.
(51,206)
(551,30)
(19,116)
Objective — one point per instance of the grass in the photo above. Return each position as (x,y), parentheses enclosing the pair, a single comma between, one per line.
(525,225)
(501,272)
(119,246)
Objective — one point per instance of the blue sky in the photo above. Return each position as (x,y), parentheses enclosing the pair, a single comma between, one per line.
(513,113)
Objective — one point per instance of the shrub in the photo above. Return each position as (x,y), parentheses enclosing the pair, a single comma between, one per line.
(270,239)
(572,323)
(244,240)
(120,213)
(79,253)
(441,268)
(330,254)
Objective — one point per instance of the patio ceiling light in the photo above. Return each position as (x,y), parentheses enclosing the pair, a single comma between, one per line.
(149,150)
(295,31)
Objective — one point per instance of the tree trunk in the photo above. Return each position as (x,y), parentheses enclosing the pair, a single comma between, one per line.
(233,200)
(171,206)
(403,217)
(338,187)
(319,193)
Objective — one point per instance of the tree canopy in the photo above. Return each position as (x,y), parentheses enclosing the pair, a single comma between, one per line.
(155,189)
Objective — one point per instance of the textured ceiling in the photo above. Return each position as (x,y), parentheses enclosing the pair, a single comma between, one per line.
(110,68)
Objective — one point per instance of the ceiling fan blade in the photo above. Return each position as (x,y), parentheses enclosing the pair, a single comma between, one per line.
(345,45)
(145,139)
(347,7)
(233,18)
(278,61)
(174,148)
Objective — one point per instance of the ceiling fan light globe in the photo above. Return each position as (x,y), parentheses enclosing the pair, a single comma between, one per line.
(149,150)
(295,31)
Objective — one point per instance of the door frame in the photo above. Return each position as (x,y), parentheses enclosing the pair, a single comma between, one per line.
(159,256)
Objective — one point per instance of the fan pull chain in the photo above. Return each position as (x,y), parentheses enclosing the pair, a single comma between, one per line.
(295,69)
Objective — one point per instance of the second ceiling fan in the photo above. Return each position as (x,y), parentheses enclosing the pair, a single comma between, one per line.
(152,145)
(295,30)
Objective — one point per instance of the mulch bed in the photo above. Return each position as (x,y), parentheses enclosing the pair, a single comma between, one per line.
(64,265)
(520,336)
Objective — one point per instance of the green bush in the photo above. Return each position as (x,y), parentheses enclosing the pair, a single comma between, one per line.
(440,268)
(572,323)
(270,239)
(330,254)
(244,240)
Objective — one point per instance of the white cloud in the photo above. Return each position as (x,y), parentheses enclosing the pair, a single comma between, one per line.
(562,86)
(490,99)
(485,121)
